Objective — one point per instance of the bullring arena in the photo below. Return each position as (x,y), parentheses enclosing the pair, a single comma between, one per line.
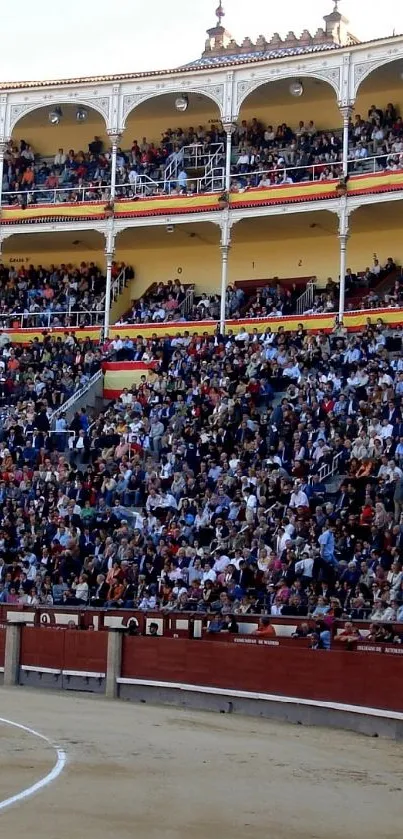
(201,444)
(156,772)
(75,756)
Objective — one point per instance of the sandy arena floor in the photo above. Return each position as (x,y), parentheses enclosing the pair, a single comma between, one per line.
(136,770)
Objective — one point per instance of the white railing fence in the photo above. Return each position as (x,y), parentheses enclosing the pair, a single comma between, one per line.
(328,469)
(326,171)
(187,304)
(306,299)
(117,286)
(48,319)
(175,162)
(62,195)
(145,187)
(195,157)
(213,180)
(212,168)
(69,404)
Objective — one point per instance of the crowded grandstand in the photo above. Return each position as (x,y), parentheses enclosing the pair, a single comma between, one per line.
(249,460)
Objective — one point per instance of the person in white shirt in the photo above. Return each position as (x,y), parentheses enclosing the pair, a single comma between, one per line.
(159,313)
(243,160)
(117,344)
(386,430)
(60,158)
(298,497)
(305,567)
(282,541)
(153,501)
(221,562)
(81,591)
(395,576)
(208,574)
(251,504)
(126,397)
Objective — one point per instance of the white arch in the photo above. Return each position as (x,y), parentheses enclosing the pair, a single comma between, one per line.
(291,74)
(36,106)
(372,67)
(145,97)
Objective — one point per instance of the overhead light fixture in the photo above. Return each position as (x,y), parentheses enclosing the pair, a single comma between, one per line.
(55,116)
(182,103)
(81,115)
(296,88)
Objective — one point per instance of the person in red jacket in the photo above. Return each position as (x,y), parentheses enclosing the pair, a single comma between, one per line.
(265,629)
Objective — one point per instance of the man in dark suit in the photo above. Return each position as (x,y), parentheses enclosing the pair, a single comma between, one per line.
(342,500)
(100,592)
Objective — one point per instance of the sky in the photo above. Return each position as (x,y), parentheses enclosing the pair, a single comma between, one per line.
(87,39)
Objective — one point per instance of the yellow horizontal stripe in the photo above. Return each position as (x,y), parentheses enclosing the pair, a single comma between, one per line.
(200,203)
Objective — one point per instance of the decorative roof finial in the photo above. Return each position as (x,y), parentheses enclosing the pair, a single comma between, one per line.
(336,5)
(220,13)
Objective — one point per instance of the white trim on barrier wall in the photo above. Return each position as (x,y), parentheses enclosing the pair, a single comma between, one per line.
(266,697)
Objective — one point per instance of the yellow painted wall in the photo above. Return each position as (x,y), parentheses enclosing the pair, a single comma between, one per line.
(375,95)
(15,256)
(324,112)
(361,247)
(46,139)
(140,124)
(199,261)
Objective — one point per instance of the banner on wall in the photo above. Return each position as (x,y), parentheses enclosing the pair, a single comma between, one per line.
(294,193)
(121,374)
(353,321)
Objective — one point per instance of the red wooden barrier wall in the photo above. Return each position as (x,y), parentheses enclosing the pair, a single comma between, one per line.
(61,649)
(85,651)
(335,676)
(42,647)
(2,646)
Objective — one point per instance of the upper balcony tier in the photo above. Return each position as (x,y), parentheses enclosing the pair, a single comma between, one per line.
(263,188)
(282,125)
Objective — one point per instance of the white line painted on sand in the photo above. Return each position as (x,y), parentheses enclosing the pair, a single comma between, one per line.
(44,782)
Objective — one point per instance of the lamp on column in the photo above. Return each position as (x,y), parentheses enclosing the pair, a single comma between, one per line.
(296,88)
(81,114)
(55,116)
(182,103)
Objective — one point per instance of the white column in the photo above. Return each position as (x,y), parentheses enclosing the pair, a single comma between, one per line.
(115,140)
(109,253)
(346,112)
(224,247)
(343,237)
(3,146)
(229,129)
(113,664)
(12,654)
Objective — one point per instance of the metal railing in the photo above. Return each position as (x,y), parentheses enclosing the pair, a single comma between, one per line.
(66,433)
(69,403)
(117,286)
(195,156)
(142,187)
(61,195)
(146,187)
(328,469)
(212,181)
(175,162)
(306,299)
(187,304)
(49,318)
(212,166)
(286,173)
